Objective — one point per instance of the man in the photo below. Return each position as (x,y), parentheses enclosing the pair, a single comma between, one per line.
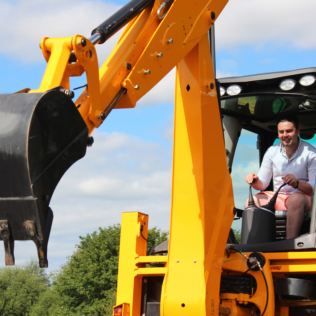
(293,162)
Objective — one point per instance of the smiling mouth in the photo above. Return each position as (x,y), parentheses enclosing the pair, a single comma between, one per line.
(287,140)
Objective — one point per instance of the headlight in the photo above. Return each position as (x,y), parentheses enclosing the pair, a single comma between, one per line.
(307,80)
(222,91)
(233,90)
(287,84)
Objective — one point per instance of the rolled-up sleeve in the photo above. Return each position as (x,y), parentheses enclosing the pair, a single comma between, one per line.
(312,170)
(266,168)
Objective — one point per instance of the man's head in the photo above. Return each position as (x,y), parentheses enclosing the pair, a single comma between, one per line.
(288,132)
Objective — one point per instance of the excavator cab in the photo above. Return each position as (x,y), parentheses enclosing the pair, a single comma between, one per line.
(254,104)
(36,147)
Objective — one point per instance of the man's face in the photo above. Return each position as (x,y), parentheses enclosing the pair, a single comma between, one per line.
(288,134)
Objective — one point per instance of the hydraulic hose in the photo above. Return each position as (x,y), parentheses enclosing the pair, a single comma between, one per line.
(110,26)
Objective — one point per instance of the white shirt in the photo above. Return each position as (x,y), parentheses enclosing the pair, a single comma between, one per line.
(276,164)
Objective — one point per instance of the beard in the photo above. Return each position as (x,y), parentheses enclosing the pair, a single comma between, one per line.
(289,142)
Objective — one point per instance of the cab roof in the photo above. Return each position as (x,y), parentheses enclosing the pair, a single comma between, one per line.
(258,101)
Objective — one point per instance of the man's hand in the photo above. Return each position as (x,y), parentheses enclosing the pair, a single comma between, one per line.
(251,178)
(291,180)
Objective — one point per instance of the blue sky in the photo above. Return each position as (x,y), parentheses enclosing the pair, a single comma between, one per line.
(129,166)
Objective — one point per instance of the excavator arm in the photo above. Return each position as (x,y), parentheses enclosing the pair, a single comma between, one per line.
(151,45)
(43,132)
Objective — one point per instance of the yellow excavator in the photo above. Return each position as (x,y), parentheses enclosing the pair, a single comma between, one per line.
(203,270)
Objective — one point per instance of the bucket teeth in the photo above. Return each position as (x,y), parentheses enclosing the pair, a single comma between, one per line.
(40,245)
(8,241)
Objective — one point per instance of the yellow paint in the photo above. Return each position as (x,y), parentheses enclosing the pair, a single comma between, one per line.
(133,243)
(146,51)
(202,201)
(57,52)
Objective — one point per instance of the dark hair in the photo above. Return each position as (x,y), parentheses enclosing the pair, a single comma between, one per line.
(291,119)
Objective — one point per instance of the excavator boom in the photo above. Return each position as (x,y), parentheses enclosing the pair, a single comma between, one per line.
(43,132)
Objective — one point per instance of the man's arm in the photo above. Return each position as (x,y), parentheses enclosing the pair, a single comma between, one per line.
(254,181)
(311,169)
(262,180)
(304,187)
(300,185)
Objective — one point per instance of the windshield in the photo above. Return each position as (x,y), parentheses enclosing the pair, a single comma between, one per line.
(266,107)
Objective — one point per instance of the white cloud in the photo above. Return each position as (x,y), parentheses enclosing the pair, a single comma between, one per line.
(143,187)
(259,22)
(119,173)
(24,23)
(246,160)
(162,93)
(240,171)
(242,22)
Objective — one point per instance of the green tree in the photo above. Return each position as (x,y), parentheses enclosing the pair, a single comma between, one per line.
(49,304)
(86,285)
(237,235)
(155,237)
(21,288)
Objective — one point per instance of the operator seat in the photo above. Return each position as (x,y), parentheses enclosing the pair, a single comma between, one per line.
(305,241)
(280,224)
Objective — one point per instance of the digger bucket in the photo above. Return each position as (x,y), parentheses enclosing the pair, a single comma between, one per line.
(41,136)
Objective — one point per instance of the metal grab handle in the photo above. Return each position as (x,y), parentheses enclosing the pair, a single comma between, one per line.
(270,204)
(251,201)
